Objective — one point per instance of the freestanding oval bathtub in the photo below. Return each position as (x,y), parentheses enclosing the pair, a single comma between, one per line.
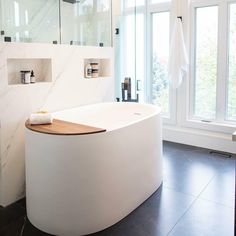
(81,184)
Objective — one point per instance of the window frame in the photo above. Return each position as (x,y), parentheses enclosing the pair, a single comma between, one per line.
(220,124)
(169,118)
(230,2)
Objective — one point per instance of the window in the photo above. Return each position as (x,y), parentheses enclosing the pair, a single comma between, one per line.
(213,93)
(160,52)
(206,62)
(231,101)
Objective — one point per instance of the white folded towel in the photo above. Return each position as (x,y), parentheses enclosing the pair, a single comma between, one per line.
(40,118)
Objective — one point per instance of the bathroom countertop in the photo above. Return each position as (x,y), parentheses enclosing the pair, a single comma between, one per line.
(60,127)
(234,136)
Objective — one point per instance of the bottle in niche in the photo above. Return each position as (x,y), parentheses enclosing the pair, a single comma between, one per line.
(32,77)
(27,77)
(22,76)
(88,71)
(95,69)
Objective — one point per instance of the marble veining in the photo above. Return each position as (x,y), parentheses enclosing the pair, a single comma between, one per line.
(67,89)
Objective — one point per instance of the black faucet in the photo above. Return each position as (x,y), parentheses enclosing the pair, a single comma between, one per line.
(126,91)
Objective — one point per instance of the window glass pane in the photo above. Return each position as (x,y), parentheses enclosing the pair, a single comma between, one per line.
(86,7)
(159,1)
(232,65)
(206,62)
(160,46)
(103,5)
(133,3)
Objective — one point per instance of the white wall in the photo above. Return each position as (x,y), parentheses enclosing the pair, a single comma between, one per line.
(68,89)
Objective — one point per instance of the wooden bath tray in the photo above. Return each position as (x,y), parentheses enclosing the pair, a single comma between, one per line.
(60,127)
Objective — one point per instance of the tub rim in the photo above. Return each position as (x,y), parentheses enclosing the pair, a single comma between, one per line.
(156,111)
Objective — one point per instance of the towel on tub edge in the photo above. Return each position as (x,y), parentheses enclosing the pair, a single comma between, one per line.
(40,118)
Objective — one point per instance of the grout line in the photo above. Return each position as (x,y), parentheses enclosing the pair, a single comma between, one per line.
(12,222)
(217,203)
(197,198)
(23,227)
(184,193)
(182,215)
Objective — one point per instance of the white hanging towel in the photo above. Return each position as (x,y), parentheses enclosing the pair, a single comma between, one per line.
(178,58)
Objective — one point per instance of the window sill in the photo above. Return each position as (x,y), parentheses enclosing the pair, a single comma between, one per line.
(210,126)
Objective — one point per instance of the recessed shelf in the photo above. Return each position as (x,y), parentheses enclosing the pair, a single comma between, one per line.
(98,78)
(104,67)
(42,68)
(38,84)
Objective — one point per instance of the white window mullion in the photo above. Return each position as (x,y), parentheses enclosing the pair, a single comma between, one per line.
(192,68)
(222,62)
(149,58)
(231,86)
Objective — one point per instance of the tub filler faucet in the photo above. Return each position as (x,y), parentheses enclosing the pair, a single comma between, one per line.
(126,91)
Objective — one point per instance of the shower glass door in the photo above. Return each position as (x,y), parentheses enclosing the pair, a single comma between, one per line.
(132,46)
(79,22)
(29,21)
(86,22)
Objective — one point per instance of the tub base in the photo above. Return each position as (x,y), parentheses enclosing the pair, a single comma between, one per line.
(78,185)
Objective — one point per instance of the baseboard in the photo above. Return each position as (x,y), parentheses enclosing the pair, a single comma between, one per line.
(205,139)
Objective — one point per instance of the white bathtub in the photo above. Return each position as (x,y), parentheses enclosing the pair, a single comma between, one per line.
(81,184)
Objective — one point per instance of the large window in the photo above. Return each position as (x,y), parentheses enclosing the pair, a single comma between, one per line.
(214,64)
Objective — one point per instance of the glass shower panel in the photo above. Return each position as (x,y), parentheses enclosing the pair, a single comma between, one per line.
(132,47)
(30,21)
(129,51)
(86,22)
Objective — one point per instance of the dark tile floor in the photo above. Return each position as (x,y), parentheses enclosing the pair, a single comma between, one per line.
(196,199)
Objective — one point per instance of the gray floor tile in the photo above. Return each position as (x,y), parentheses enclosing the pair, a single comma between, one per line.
(155,217)
(187,176)
(14,228)
(10,214)
(206,218)
(221,189)
(189,169)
